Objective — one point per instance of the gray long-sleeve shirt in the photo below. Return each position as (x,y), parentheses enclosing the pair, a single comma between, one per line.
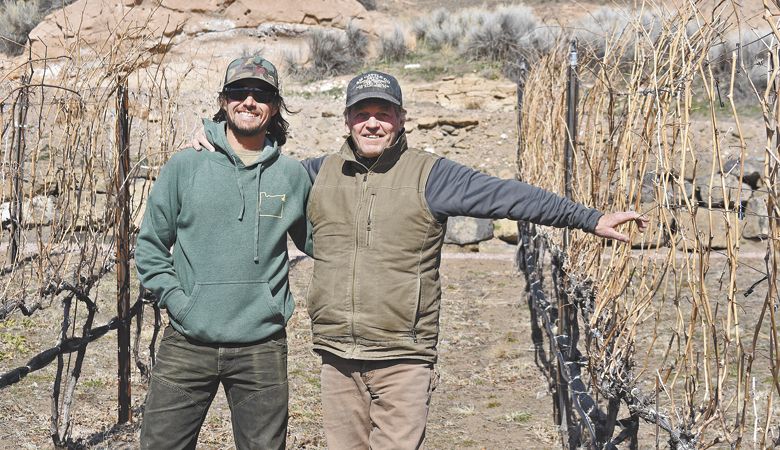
(456,190)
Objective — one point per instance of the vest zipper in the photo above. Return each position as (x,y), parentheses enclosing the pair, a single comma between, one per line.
(354,264)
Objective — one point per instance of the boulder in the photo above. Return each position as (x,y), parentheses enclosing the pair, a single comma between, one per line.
(195,6)
(652,187)
(657,233)
(677,195)
(469,92)
(447,124)
(735,191)
(458,122)
(752,169)
(38,211)
(709,227)
(5,214)
(426,123)
(249,13)
(756,223)
(97,25)
(91,213)
(449,129)
(101,26)
(506,230)
(468,230)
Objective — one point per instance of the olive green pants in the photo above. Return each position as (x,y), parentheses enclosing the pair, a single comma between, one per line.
(185,380)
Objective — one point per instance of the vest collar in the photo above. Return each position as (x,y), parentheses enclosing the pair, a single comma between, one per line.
(384,162)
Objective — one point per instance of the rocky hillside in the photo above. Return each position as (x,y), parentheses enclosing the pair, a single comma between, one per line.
(188,30)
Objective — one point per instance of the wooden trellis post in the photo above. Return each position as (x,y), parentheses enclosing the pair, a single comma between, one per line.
(566,314)
(122,234)
(19,144)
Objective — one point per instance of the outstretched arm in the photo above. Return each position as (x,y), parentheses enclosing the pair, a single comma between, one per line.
(457,190)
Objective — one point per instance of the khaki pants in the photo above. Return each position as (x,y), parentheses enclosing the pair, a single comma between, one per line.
(187,376)
(379,405)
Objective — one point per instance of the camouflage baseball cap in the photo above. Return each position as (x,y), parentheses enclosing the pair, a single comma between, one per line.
(254,67)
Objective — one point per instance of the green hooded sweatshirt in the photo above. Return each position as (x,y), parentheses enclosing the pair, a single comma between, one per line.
(213,245)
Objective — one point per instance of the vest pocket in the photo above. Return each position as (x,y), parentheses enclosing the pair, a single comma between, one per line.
(326,302)
(385,320)
(230,311)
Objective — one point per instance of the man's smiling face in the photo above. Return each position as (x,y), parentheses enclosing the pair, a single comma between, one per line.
(249,106)
(374,125)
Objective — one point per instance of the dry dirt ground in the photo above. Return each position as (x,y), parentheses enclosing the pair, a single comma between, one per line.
(490,394)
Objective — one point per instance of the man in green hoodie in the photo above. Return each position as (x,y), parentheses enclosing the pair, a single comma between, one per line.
(213,249)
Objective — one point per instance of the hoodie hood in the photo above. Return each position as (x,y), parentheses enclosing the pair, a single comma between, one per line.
(217,135)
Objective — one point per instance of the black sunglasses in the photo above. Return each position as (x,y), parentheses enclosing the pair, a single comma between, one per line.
(239,94)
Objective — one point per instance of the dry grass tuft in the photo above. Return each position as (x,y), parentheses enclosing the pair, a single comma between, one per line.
(19,17)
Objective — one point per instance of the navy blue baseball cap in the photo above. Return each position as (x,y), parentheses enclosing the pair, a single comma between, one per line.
(374,84)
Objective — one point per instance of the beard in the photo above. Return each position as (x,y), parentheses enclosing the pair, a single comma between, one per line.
(244,130)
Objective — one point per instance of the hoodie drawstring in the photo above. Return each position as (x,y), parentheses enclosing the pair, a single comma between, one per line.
(240,189)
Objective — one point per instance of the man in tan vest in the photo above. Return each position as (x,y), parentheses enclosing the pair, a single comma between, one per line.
(379,211)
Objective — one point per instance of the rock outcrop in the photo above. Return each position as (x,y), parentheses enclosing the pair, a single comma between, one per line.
(88,28)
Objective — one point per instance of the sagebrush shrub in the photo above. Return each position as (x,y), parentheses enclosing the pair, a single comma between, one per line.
(542,39)
(357,42)
(477,33)
(392,47)
(752,63)
(440,29)
(499,36)
(330,53)
(610,29)
(17,19)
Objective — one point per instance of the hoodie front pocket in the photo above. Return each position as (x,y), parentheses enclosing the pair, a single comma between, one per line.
(271,205)
(231,311)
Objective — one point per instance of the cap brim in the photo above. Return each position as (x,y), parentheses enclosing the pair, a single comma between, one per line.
(249,77)
(372,95)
